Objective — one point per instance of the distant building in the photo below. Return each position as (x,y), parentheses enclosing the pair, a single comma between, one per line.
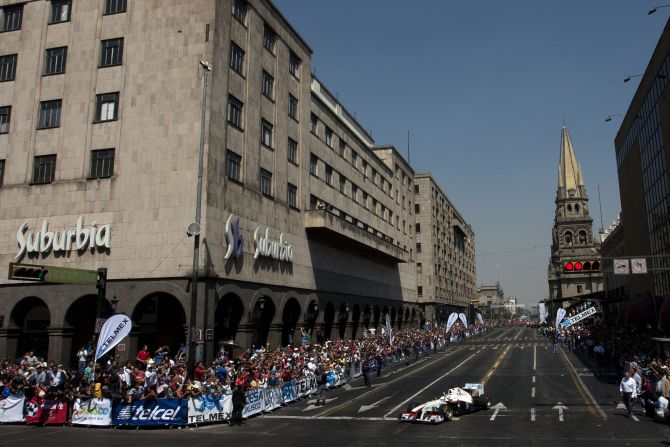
(572,235)
(510,305)
(491,295)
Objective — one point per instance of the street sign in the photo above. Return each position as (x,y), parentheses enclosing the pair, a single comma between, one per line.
(638,265)
(621,267)
(51,274)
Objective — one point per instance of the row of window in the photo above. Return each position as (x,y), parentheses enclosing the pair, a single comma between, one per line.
(106,109)
(44,167)
(235,115)
(61,11)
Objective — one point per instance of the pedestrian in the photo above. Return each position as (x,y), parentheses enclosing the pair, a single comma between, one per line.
(239,400)
(628,390)
(322,382)
(554,348)
(366,373)
(378,359)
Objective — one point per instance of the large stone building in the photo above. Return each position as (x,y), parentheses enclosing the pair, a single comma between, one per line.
(445,251)
(573,248)
(642,147)
(305,221)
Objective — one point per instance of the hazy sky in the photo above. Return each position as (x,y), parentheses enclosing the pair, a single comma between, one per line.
(484,88)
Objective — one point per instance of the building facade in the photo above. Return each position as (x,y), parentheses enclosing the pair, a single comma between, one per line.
(305,221)
(643,162)
(445,251)
(572,235)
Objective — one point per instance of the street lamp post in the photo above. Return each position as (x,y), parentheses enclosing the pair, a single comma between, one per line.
(196,343)
(653,9)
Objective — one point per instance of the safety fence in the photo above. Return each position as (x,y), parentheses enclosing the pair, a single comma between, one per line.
(193,411)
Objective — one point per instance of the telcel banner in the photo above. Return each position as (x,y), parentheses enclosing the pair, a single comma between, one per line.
(96,412)
(11,409)
(158,412)
(115,329)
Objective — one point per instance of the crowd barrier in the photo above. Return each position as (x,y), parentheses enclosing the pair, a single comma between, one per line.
(193,411)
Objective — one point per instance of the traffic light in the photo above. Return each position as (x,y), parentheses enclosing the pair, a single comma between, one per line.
(27,272)
(581,266)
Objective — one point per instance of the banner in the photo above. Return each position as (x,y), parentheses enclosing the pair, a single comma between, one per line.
(560,313)
(288,392)
(158,412)
(272,398)
(113,331)
(579,317)
(452,319)
(204,409)
(11,409)
(48,412)
(480,318)
(464,319)
(254,402)
(389,328)
(543,312)
(96,412)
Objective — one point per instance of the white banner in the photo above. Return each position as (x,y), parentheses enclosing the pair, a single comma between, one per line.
(389,329)
(96,412)
(579,317)
(543,312)
(480,318)
(464,319)
(204,409)
(115,329)
(11,409)
(272,398)
(560,313)
(452,319)
(254,402)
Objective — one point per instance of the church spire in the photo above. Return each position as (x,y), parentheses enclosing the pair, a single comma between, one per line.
(569,171)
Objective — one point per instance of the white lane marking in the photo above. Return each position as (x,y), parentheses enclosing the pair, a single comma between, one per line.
(534,358)
(373,405)
(532,414)
(499,406)
(635,418)
(560,407)
(533,379)
(586,390)
(280,416)
(394,409)
(532,393)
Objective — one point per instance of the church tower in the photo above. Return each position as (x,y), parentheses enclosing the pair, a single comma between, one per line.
(572,236)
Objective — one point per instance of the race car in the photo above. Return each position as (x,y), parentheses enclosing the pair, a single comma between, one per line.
(456,401)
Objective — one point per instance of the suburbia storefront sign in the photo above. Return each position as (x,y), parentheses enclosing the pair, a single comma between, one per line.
(264,243)
(63,241)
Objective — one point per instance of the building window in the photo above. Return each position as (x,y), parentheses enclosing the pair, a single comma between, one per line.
(240,11)
(419,268)
(582,237)
(8,67)
(102,163)
(114,7)
(417,208)
(313,163)
(60,11)
(266,134)
(233,164)
(50,114)
(314,120)
(364,167)
(293,151)
(267,85)
(343,184)
(266,183)
(354,192)
(111,52)
(2,171)
(5,117)
(292,196)
(417,228)
(579,289)
(329,136)
(354,159)
(106,107)
(235,111)
(44,169)
(343,149)
(11,17)
(56,59)
(418,248)
(329,175)
(419,290)
(365,199)
(567,237)
(294,63)
(269,39)
(236,58)
(293,107)
(416,189)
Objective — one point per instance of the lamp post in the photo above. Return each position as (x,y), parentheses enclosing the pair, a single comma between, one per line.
(196,346)
(611,116)
(653,9)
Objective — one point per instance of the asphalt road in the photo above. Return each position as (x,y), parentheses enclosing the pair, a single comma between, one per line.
(541,398)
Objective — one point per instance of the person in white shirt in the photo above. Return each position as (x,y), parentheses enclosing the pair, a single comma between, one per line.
(661,406)
(628,390)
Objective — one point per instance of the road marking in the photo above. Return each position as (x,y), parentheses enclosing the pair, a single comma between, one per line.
(583,390)
(342,418)
(394,409)
(635,418)
(374,405)
(499,406)
(533,379)
(534,358)
(532,393)
(532,414)
(495,366)
(560,407)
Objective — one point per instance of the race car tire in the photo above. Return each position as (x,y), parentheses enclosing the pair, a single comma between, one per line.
(448,414)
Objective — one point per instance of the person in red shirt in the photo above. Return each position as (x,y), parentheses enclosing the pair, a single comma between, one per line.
(199,372)
(143,357)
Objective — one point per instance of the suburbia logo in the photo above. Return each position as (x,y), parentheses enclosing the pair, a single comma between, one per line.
(132,413)
(235,238)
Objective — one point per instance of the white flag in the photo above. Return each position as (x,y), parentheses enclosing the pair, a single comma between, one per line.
(452,319)
(115,329)
(464,319)
(560,314)
(480,318)
(389,329)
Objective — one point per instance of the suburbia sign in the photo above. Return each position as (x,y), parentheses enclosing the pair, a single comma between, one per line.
(79,237)
(264,243)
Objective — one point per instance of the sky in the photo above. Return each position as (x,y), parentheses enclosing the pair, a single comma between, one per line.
(484,88)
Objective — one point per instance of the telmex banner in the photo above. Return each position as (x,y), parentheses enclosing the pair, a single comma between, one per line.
(579,317)
(560,313)
(115,329)
(204,409)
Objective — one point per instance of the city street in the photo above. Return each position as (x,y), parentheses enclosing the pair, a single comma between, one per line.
(538,398)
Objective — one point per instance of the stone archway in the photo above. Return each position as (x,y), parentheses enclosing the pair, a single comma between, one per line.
(290,319)
(328,320)
(355,320)
(227,318)
(159,320)
(367,316)
(376,316)
(32,317)
(261,320)
(81,317)
(342,319)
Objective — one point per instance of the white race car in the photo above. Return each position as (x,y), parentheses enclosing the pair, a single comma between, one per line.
(456,401)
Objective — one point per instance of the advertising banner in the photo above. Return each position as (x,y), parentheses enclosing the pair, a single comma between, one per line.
(96,412)
(11,409)
(543,312)
(480,318)
(272,398)
(452,319)
(254,402)
(288,392)
(48,412)
(464,319)
(205,409)
(158,412)
(560,313)
(579,317)
(113,331)
(389,329)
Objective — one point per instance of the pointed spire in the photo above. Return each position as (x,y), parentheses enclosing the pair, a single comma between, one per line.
(569,171)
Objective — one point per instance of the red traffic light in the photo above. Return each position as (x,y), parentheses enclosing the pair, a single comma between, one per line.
(578,265)
(569,267)
(581,266)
